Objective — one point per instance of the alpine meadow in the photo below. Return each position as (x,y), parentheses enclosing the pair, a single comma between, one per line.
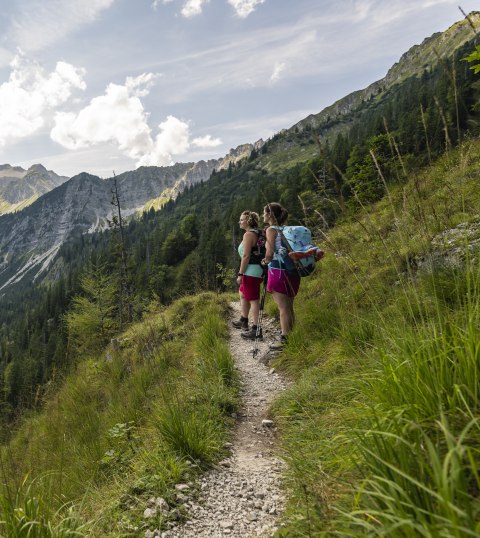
(117,382)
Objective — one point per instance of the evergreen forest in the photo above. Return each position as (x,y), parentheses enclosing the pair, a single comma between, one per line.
(380,429)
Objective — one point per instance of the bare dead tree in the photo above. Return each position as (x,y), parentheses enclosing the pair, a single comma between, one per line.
(118,223)
(424,123)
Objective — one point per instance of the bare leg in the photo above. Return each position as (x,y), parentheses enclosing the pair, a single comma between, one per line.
(255,309)
(285,307)
(245,305)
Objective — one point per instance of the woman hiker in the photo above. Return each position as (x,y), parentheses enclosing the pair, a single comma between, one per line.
(250,274)
(283,287)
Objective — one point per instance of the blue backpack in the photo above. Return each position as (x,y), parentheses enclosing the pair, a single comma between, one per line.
(298,254)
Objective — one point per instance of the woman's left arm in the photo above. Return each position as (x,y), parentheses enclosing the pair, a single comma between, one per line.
(249,240)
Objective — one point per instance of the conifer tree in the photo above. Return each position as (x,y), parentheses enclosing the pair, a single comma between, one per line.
(91,320)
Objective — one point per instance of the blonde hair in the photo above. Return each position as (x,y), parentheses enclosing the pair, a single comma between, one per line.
(252,218)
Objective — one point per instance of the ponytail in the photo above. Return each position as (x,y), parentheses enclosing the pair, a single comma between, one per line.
(279,213)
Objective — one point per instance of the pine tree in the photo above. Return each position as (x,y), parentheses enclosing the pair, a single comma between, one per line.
(91,320)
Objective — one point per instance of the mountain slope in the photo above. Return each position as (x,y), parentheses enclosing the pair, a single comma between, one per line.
(296,143)
(362,112)
(30,239)
(20,188)
(384,368)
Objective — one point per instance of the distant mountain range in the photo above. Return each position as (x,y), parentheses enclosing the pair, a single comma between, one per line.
(30,238)
(341,115)
(53,208)
(20,188)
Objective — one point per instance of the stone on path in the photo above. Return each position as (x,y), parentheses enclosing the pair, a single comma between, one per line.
(241,496)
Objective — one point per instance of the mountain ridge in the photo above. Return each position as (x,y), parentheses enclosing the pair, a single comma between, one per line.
(413,62)
(20,188)
(30,239)
(139,190)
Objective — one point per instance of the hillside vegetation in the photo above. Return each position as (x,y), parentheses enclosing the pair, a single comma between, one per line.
(321,172)
(116,382)
(129,423)
(381,429)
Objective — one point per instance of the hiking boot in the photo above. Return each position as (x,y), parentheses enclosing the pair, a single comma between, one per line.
(251,334)
(241,323)
(279,344)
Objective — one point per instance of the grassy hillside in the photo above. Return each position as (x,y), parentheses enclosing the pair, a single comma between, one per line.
(190,245)
(130,423)
(381,429)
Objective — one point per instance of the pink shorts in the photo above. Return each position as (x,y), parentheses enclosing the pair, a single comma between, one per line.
(250,287)
(281,282)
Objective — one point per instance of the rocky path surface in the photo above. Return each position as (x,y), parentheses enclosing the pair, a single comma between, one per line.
(242,497)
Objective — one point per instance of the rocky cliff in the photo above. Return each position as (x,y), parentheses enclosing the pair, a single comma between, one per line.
(19,188)
(412,63)
(30,239)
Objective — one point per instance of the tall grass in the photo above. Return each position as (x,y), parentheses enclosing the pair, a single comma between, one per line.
(188,431)
(420,451)
(381,430)
(26,513)
(190,421)
(214,357)
(421,481)
(123,427)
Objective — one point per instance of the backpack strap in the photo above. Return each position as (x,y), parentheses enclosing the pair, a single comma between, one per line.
(256,254)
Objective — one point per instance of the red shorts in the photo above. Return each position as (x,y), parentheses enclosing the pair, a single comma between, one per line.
(250,287)
(281,282)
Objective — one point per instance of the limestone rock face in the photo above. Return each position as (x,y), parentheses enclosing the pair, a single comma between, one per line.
(31,238)
(19,187)
(55,207)
(235,155)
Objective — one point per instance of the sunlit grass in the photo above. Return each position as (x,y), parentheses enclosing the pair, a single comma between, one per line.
(127,425)
(381,429)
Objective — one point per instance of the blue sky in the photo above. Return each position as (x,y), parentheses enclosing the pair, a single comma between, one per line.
(109,85)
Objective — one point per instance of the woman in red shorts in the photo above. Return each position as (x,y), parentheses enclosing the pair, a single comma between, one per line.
(250,274)
(283,287)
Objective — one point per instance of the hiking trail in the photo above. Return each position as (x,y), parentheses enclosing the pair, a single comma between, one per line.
(241,497)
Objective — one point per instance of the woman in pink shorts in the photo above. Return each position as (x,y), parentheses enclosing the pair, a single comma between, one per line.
(250,274)
(283,286)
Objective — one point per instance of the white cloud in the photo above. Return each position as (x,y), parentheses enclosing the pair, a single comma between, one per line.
(173,139)
(30,96)
(244,7)
(277,71)
(140,86)
(193,7)
(118,117)
(158,2)
(40,23)
(206,142)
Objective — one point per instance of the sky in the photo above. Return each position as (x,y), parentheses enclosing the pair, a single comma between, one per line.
(106,86)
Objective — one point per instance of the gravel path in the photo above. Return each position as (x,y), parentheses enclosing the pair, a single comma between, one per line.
(242,496)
